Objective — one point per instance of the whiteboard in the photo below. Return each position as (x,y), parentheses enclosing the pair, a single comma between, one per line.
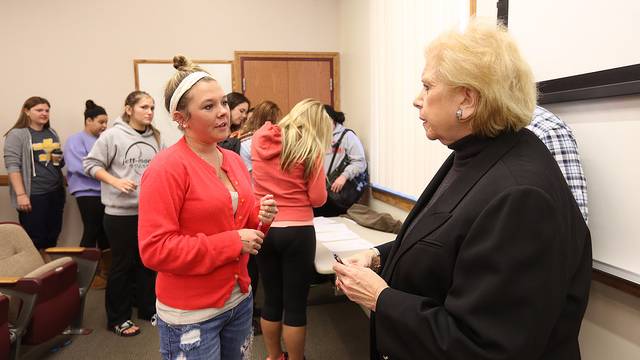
(152,76)
(572,37)
(606,131)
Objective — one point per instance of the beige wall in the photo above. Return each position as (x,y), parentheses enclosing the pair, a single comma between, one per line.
(355,66)
(70,50)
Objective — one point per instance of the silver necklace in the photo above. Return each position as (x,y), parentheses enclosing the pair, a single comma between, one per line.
(216,164)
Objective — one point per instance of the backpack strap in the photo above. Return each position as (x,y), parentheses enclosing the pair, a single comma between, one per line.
(335,149)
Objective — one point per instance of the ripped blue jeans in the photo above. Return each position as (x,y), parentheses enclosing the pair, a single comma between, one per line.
(226,336)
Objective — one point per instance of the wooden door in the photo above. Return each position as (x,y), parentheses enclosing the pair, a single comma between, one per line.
(310,79)
(266,80)
(287,78)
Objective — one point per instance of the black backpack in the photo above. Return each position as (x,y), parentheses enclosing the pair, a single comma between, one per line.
(353,188)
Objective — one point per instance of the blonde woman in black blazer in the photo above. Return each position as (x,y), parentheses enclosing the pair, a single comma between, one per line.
(494,260)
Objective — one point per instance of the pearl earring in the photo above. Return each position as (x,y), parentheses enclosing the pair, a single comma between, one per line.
(459,114)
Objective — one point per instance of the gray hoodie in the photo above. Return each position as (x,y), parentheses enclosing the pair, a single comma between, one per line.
(351,146)
(125,154)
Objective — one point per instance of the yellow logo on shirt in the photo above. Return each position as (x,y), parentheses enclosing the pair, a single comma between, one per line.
(47,145)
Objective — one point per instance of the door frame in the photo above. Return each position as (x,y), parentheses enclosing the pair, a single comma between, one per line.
(334,57)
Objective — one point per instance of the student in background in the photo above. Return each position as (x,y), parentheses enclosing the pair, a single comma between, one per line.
(118,159)
(558,138)
(86,189)
(287,162)
(263,112)
(33,160)
(239,107)
(198,218)
(494,261)
(345,146)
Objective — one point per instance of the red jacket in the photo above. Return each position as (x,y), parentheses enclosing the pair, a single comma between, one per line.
(295,196)
(187,230)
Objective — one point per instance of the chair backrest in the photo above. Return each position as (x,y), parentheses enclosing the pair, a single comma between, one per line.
(58,301)
(18,255)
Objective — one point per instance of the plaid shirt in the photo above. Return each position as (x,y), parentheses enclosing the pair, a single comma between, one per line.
(557,136)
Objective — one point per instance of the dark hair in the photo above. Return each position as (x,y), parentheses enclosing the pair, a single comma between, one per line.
(263,112)
(92,110)
(23,119)
(235,98)
(336,116)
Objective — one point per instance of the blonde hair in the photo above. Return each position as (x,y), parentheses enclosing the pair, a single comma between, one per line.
(184,67)
(306,136)
(485,58)
(132,99)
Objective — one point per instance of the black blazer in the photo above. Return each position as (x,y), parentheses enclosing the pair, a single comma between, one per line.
(498,267)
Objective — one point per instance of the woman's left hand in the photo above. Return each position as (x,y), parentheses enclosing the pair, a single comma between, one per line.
(338,183)
(268,209)
(361,285)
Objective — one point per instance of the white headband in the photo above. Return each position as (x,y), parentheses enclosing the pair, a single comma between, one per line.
(184,86)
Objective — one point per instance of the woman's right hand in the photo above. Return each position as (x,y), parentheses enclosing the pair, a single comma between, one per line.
(24,203)
(338,184)
(361,259)
(251,240)
(124,185)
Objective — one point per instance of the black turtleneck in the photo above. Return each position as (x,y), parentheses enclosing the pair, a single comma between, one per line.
(464,151)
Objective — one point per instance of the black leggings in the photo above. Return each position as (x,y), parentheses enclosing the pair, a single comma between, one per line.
(92,213)
(285,262)
(126,270)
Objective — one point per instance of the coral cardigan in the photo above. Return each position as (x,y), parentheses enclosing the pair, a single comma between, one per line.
(187,230)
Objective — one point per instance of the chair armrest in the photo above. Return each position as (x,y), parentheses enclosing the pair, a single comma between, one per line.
(8,280)
(21,285)
(86,258)
(72,249)
(75,252)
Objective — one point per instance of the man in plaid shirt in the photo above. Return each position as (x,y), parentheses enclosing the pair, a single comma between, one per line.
(557,136)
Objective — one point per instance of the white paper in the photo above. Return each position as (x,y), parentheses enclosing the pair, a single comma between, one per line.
(323,220)
(336,235)
(331,228)
(347,245)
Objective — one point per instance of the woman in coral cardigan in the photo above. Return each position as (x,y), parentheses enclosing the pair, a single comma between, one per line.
(198,225)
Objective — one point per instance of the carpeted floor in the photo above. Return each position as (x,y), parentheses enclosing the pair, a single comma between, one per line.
(337,329)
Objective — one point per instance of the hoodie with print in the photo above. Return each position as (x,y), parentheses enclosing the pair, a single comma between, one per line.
(295,196)
(125,154)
